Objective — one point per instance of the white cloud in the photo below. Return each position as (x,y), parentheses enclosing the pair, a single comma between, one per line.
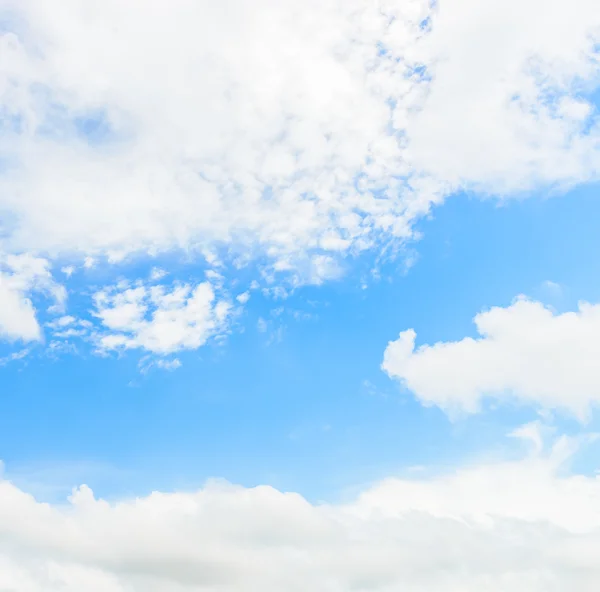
(13,357)
(17,316)
(20,275)
(525,352)
(299,131)
(148,363)
(168,364)
(552,288)
(502,113)
(243,297)
(157,274)
(62,322)
(508,526)
(158,320)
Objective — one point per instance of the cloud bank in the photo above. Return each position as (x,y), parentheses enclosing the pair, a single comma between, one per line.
(292,134)
(282,129)
(495,527)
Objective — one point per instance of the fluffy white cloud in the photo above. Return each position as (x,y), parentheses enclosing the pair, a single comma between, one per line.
(504,111)
(299,130)
(19,276)
(506,526)
(159,320)
(525,352)
(296,132)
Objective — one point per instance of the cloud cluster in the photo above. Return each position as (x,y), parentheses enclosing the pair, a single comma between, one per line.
(524,351)
(469,530)
(288,129)
(159,320)
(293,133)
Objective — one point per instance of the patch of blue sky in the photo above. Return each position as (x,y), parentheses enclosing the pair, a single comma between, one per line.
(301,402)
(92,126)
(10,123)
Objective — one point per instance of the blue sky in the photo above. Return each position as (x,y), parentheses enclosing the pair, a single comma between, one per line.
(299,296)
(304,405)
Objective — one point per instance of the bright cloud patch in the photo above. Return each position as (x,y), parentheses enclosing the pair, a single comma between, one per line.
(525,351)
(285,128)
(291,133)
(469,530)
(159,320)
(20,275)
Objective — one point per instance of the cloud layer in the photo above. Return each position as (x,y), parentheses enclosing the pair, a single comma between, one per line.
(285,129)
(525,352)
(487,527)
(289,134)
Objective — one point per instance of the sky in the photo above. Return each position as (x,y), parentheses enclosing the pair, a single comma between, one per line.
(299,295)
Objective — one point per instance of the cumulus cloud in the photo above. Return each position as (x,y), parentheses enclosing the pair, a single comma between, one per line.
(519,525)
(20,275)
(159,320)
(302,131)
(525,352)
(156,273)
(504,110)
(295,134)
